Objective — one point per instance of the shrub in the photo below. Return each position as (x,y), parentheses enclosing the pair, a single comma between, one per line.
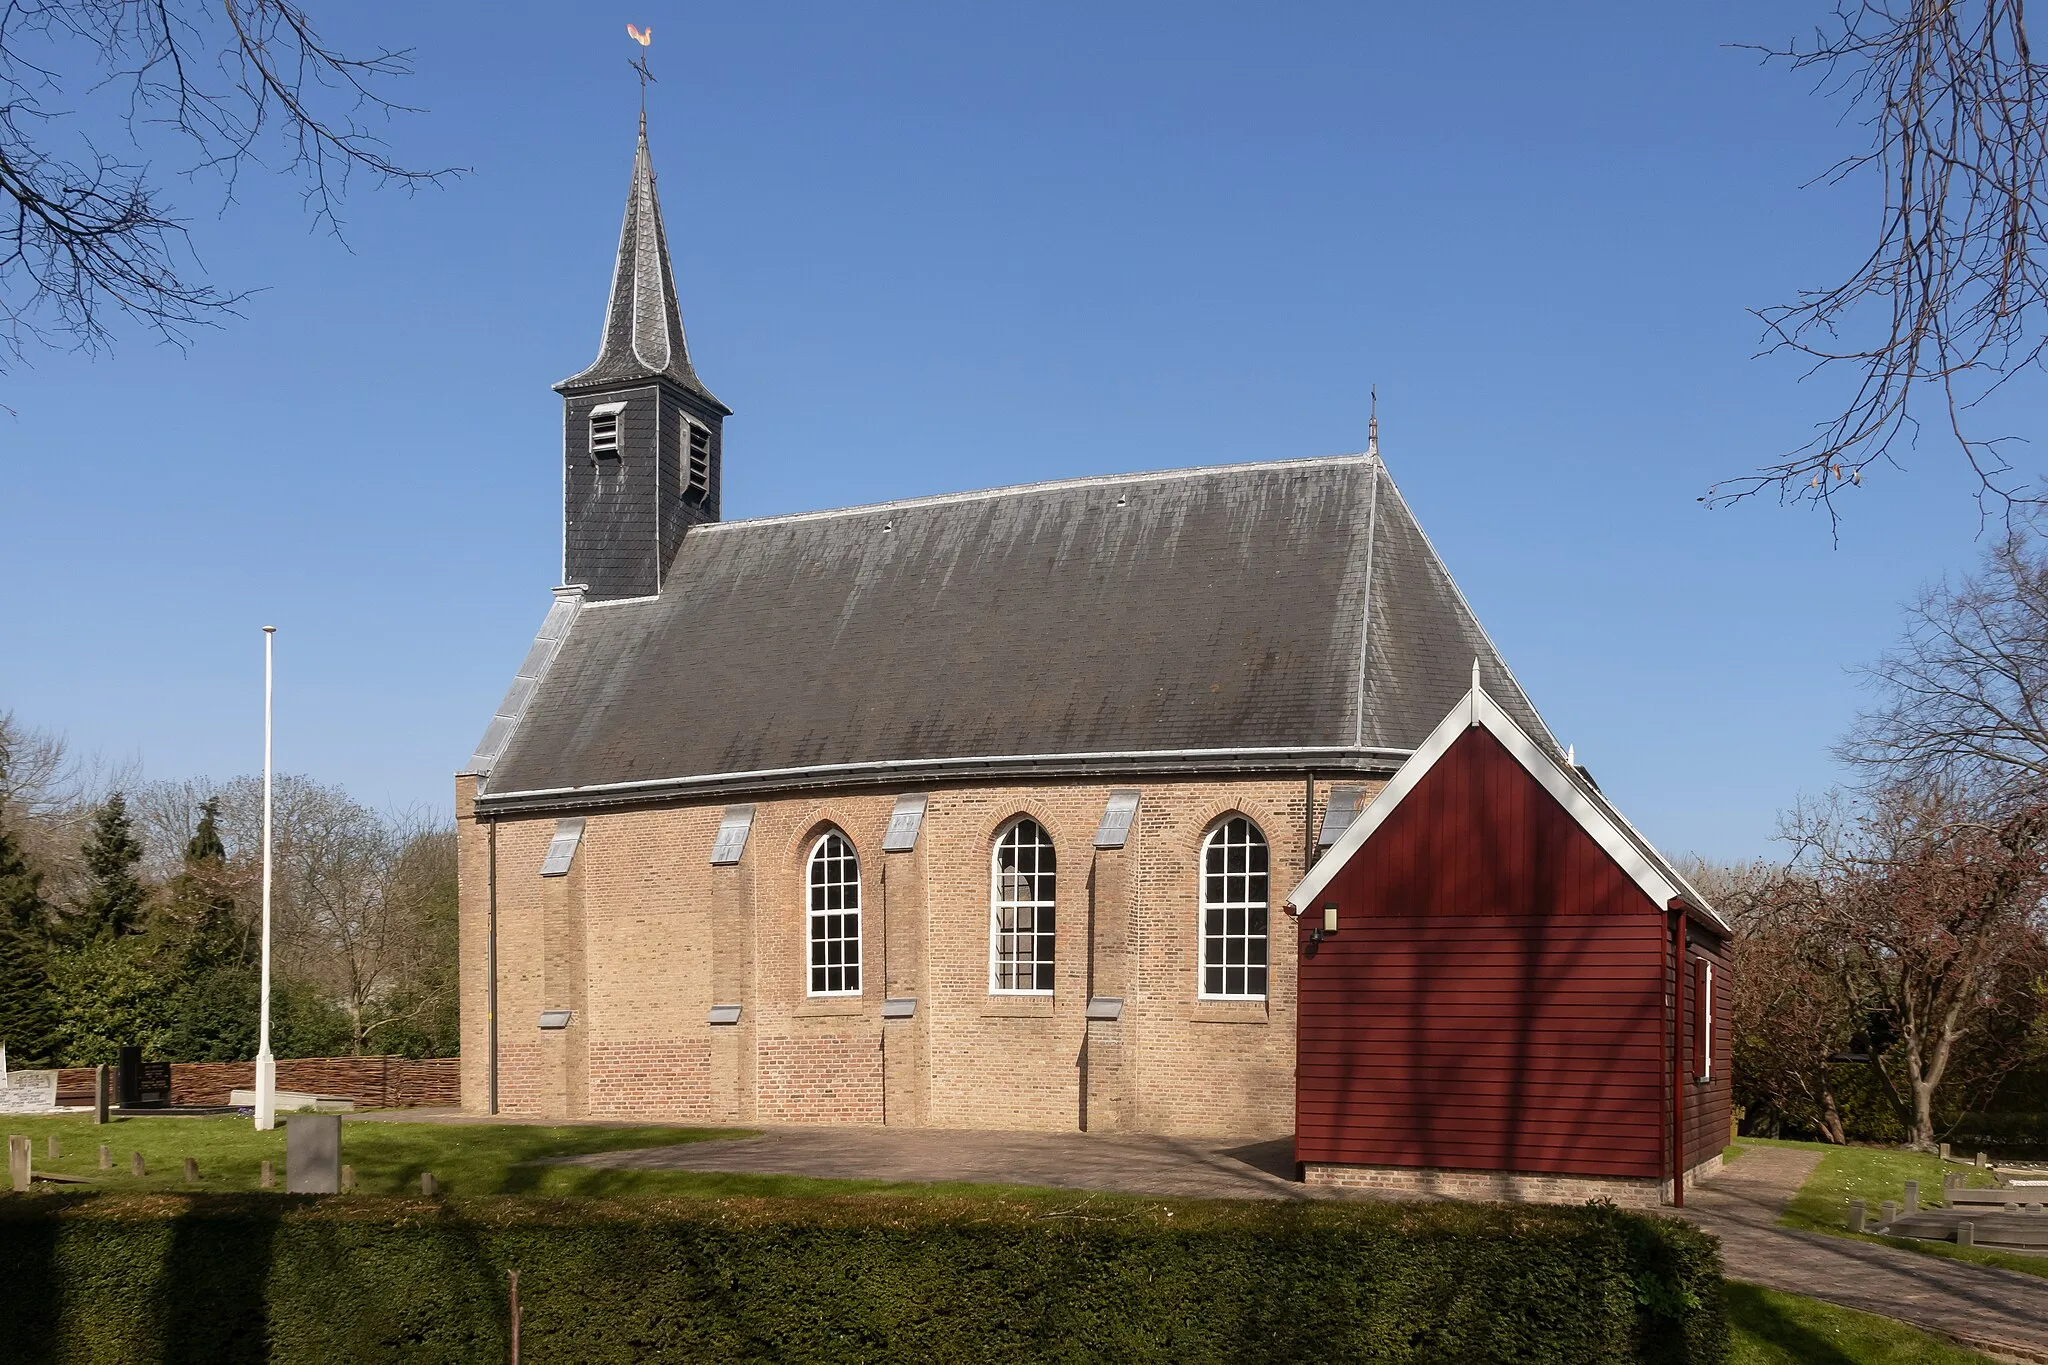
(287,1278)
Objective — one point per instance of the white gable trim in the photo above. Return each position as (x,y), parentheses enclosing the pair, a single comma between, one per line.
(1642,865)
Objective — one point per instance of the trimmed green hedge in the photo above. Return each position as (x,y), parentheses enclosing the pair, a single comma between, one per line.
(292,1278)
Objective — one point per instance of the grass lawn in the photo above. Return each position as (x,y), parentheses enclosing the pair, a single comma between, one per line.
(1769,1328)
(1877,1174)
(465,1158)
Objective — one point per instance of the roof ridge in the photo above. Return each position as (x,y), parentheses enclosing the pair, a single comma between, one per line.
(1015,489)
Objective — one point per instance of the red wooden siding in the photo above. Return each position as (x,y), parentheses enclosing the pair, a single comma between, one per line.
(1494,998)
(1708,1105)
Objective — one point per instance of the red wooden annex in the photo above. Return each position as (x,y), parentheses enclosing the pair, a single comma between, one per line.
(1506,992)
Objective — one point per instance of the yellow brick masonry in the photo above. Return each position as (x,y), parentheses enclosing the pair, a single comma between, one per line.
(644,936)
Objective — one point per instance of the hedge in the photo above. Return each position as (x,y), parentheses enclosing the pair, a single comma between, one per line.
(294,1278)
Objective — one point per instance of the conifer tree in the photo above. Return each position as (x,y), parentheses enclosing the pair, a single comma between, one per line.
(28,1018)
(115,899)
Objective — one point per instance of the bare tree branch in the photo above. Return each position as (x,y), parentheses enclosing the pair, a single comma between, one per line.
(1947,305)
(89,241)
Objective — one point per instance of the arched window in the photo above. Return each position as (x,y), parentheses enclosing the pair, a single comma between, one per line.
(1020,941)
(835,916)
(1234,911)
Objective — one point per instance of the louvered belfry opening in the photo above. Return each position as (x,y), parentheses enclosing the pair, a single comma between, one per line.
(700,463)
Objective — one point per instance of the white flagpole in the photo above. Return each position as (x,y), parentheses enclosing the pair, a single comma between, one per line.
(266,1065)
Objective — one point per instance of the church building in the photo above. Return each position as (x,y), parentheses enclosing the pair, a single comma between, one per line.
(1070,805)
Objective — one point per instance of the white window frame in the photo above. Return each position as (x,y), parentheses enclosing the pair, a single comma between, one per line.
(1216,839)
(1704,1006)
(817,917)
(1044,901)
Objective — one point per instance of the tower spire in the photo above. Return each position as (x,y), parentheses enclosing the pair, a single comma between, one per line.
(1372,424)
(643,324)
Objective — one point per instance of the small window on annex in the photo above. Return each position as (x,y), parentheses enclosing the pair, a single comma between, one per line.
(1234,889)
(834,877)
(1020,944)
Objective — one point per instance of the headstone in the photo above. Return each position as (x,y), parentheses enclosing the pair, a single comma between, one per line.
(312,1154)
(428,1185)
(1966,1234)
(191,1171)
(1980,1161)
(129,1076)
(153,1085)
(348,1179)
(28,1092)
(1886,1212)
(1944,1151)
(18,1173)
(1912,1201)
(106,1157)
(136,1166)
(1858,1211)
(267,1177)
(51,1145)
(99,1094)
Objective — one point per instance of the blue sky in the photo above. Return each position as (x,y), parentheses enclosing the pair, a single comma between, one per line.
(930,247)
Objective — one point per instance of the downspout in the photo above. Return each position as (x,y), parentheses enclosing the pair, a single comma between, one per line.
(882,1043)
(1677,1055)
(491,964)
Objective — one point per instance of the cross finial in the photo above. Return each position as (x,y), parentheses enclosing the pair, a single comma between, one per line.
(1372,424)
(642,36)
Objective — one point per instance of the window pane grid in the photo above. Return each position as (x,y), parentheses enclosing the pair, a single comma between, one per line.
(835,917)
(1021,934)
(1234,890)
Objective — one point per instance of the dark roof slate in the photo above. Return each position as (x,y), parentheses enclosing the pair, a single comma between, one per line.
(1211,609)
(643,322)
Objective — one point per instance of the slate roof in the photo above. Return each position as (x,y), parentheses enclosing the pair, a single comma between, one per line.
(643,322)
(1195,619)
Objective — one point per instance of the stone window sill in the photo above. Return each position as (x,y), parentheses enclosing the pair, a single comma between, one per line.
(1230,1012)
(829,1006)
(1017,1007)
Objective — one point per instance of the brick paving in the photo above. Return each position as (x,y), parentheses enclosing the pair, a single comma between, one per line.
(2000,1312)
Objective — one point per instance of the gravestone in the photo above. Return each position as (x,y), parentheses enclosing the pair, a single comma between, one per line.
(28,1092)
(18,1173)
(100,1097)
(128,1078)
(312,1154)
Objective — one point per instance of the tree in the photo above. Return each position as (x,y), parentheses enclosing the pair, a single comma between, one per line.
(221,85)
(115,902)
(22,908)
(1932,908)
(1947,303)
(1791,1016)
(1962,698)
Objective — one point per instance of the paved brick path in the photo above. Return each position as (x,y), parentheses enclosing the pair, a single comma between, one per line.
(2000,1312)
(1191,1167)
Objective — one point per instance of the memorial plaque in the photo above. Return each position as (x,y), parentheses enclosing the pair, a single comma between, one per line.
(312,1154)
(28,1092)
(153,1088)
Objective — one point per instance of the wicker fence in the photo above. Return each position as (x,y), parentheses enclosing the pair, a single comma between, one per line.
(372,1082)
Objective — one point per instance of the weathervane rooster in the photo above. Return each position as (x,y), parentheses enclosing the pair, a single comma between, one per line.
(644,37)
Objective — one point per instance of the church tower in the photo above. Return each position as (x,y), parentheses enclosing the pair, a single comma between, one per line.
(641,434)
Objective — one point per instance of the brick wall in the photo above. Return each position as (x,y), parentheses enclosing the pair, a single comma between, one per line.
(1504,1186)
(644,936)
(372,1082)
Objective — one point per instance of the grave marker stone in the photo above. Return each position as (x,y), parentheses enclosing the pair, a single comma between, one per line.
(312,1154)
(18,1173)
(267,1177)
(136,1166)
(106,1157)
(99,1094)
(1912,1201)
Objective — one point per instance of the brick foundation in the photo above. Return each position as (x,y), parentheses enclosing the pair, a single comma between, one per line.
(1508,1187)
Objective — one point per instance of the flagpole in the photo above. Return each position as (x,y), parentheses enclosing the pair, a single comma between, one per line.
(266,1065)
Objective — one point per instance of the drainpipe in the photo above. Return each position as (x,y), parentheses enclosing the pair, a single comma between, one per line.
(491,963)
(1677,1054)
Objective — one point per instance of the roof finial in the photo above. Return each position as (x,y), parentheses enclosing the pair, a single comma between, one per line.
(642,36)
(1372,425)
